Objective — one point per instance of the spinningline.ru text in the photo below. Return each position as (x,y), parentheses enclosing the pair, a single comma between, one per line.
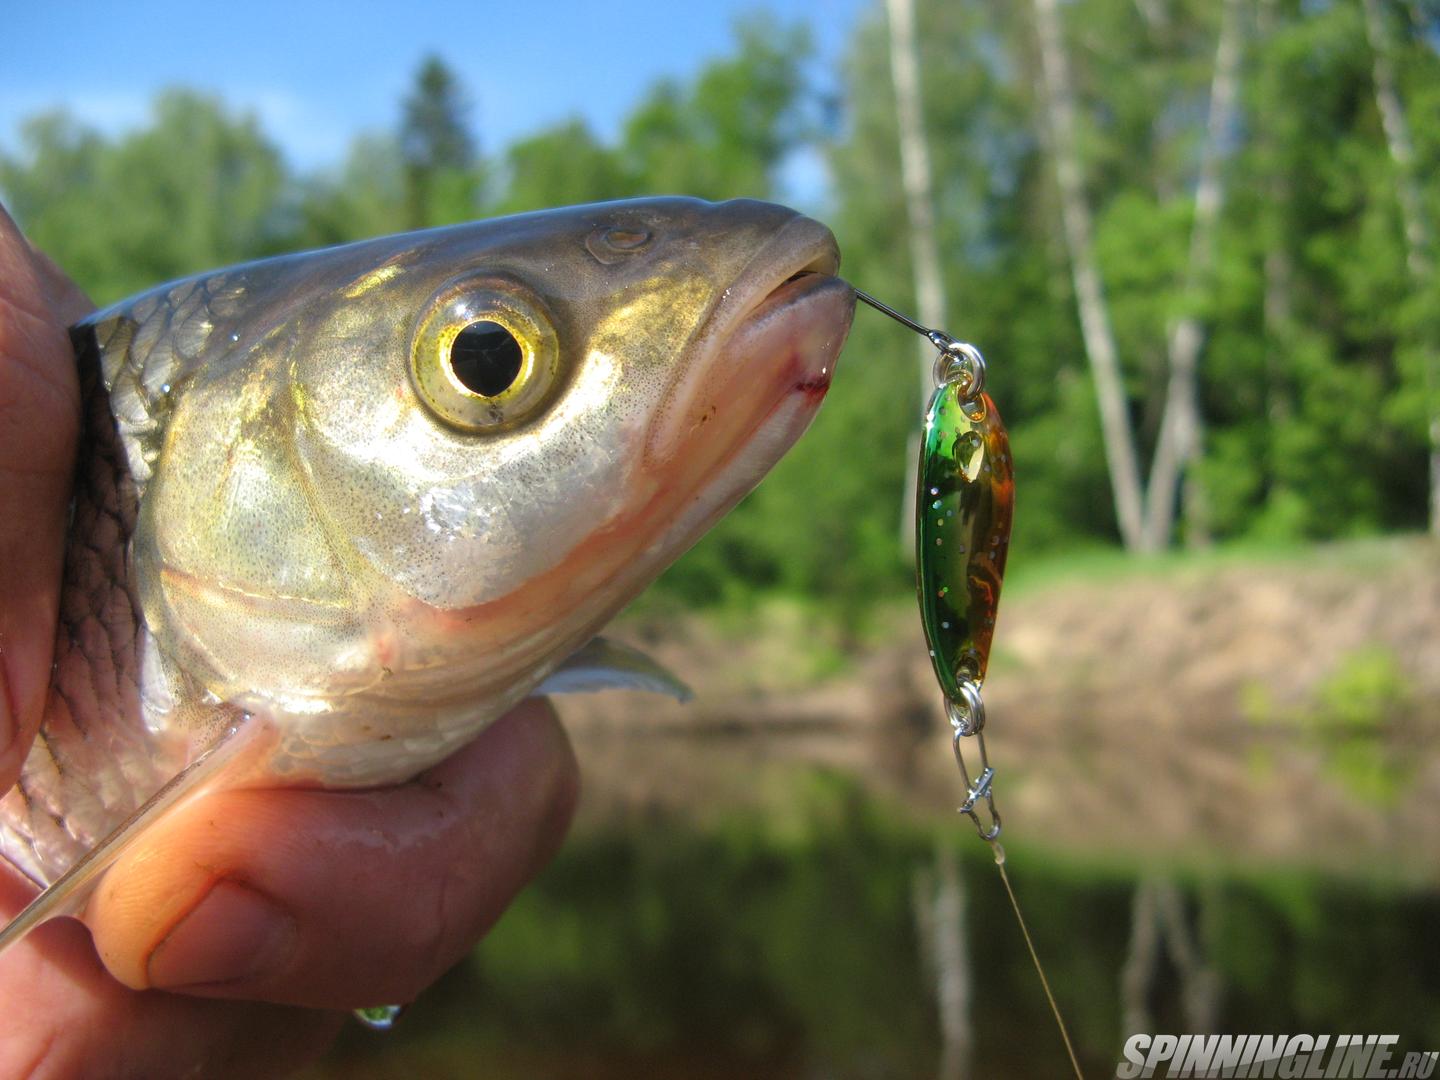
(1321,1057)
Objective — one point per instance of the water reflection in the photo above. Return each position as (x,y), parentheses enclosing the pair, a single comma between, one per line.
(751,948)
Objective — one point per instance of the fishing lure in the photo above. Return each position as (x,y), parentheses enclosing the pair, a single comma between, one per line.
(964,506)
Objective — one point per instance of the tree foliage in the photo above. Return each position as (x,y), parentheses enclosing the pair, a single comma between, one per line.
(199,186)
(437,148)
(1312,370)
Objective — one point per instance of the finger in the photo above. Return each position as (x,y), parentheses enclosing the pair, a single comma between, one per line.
(31,281)
(67,300)
(340,899)
(65,1016)
(39,425)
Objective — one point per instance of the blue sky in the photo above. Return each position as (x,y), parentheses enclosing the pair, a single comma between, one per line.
(318,73)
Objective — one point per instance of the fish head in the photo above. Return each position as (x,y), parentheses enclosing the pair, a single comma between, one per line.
(415,474)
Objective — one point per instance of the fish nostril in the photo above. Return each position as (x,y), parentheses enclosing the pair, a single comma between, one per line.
(627,239)
(612,243)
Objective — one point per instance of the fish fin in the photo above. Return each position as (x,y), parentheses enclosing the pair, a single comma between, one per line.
(608,665)
(67,894)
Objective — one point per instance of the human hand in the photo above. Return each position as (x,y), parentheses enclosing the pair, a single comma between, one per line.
(297,902)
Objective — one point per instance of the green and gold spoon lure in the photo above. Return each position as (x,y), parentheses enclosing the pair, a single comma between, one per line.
(964,505)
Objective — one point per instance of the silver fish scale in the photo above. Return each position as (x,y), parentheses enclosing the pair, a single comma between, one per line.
(95,762)
(146,352)
(88,772)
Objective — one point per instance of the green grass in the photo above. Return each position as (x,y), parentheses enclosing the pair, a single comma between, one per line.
(1025,575)
(820,636)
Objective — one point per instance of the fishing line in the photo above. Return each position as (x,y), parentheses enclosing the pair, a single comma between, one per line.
(964,505)
(1034,956)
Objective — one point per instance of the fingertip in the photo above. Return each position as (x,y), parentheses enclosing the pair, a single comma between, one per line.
(232,933)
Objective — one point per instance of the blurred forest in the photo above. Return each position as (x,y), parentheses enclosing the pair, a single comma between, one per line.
(1243,188)
(1196,241)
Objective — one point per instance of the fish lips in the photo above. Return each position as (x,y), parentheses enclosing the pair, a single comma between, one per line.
(765,355)
(805,321)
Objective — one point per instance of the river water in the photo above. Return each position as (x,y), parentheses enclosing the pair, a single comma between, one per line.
(757,946)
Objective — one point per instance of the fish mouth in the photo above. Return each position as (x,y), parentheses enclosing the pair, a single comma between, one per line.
(766,352)
(787,305)
(806,297)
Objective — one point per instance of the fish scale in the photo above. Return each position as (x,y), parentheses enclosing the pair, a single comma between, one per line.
(93,763)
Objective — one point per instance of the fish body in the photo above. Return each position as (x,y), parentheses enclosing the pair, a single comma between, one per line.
(359,502)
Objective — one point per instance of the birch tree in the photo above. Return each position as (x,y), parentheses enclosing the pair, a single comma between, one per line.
(938,899)
(1121,457)
(1413,218)
(917,179)
(1182,429)
(1146,515)
(1278,267)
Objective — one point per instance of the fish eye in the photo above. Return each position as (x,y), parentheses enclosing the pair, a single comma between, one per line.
(484,354)
(486,358)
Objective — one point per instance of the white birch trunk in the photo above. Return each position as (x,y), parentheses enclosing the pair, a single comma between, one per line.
(1142,956)
(1199,982)
(1279,268)
(915,177)
(1100,348)
(1182,426)
(939,899)
(1154,13)
(1412,213)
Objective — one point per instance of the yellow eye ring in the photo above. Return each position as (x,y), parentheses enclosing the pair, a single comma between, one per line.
(484,356)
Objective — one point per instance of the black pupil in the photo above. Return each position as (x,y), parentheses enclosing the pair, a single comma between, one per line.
(486,358)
